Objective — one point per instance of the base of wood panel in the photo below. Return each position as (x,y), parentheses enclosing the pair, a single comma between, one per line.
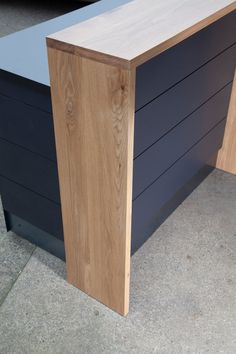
(35,235)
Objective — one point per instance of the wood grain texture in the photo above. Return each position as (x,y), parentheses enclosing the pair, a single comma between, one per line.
(133,33)
(226,159)
(93,108)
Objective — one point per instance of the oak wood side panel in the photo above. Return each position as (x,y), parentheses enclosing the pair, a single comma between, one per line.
(93,109)
(226,159)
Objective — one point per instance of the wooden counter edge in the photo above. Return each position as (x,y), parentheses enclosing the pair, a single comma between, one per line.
(89,54)
(129,63)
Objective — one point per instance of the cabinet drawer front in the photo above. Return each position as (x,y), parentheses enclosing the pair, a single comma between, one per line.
(160,156)
(24,90)
(172,66)
(148,204)
(29,170)
(27,126)
(168,110)
(31,207)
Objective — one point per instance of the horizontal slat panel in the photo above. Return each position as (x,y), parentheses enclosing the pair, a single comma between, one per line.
(30,170)
(167,209)
(160,156)
(147,205)
(27,126)
(160,73)
(31,207)
(155,119)
(26,91)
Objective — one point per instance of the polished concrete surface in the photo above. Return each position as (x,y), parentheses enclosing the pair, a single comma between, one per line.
(183,297)
(183,281)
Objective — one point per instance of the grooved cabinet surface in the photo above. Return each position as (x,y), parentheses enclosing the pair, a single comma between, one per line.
(145,207)
(27,126)
(165,70)
(30,170)
(162,114)
(173,145)
(24,90)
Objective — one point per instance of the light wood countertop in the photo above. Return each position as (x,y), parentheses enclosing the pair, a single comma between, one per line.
(135,32)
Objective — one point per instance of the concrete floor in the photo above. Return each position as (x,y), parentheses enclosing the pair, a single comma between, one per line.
(16,15)
(183,283)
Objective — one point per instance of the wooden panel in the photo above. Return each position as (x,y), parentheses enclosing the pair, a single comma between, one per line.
(159,74)
(31,207)
(146,207)
(136,32)
(160,156)
(93,109)
(162,114)
(27,126)
(29,170)
(227,155)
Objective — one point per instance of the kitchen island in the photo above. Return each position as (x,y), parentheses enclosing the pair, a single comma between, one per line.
(143,96)
(140,99)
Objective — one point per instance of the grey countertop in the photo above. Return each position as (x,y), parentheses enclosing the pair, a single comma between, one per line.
(24,53)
